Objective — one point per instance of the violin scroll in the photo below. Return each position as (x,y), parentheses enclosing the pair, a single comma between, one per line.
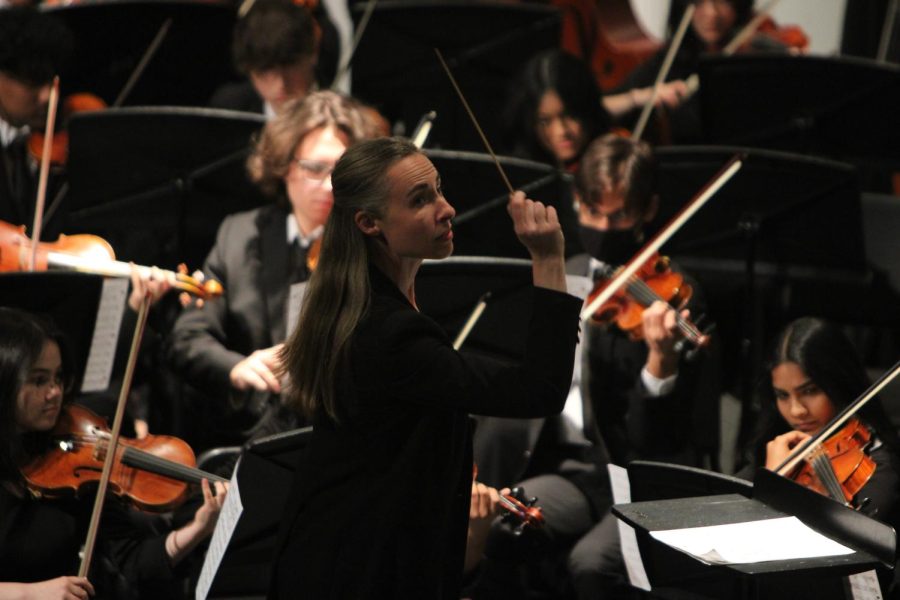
(522,511)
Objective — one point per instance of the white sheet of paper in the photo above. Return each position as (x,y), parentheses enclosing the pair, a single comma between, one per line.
(634,564)
(225,526)
(102,354)
(751,542)
(579,285)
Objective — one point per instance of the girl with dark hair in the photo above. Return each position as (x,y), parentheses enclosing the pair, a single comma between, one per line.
(380,501)
(814,373)
(40,538)
(554,111)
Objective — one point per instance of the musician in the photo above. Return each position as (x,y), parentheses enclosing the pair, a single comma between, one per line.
(713,25)
(814,373)
(636,399)
(33,48)
(40,538)
(379,507)
(554,110)
(226,350)
(276,46)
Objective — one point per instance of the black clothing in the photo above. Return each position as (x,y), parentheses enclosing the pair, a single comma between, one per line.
(237,96)
(40,540)
(382,498)
(19,186)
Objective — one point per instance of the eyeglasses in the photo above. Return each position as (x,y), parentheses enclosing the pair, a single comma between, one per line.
(314,170)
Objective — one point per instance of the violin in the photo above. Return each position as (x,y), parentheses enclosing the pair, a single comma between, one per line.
(653,281)
(839,467)
(59,148)
(87,254)
(153,473)
(521,511)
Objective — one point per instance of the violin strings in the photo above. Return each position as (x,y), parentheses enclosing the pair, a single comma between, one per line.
(645,295)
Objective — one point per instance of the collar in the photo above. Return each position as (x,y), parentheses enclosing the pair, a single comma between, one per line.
(9,134)
(268,111)
(294,233)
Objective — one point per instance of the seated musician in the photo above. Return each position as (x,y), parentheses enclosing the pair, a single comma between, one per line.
(276,46)
(40,537)
(226,350)
(713,25)
(814,373)
(554,110)
(637,399)
(33,48)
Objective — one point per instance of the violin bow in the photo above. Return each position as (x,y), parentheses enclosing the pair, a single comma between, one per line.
(474,316)
(693,82)
(802,451)
(664,234)
(664,71)
(114,436)
(44,173)
(484,139)
(423,129)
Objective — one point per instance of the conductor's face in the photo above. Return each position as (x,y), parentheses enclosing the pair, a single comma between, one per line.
(308,180)
(416,222)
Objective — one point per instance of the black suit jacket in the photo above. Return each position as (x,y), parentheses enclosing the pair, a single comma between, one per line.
(380,502)
(237,96)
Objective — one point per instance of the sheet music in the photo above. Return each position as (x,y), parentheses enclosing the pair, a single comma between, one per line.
(864,586)
(225,526)
(295,303)
(106,335)
(634,565)
(751,542)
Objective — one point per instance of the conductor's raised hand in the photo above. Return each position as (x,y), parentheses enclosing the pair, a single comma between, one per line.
(536,226)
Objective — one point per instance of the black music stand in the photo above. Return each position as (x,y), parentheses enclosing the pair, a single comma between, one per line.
(482,227)
(845,108)
(485,45)
(873,543)
(156,182)
(192,61)
(69,300)
(265,472)
(784,223)
(448,290)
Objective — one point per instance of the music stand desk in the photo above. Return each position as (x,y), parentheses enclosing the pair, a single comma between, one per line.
(774,497)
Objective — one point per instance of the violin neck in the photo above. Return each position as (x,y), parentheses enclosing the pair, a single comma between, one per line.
(98,266)
(145,461)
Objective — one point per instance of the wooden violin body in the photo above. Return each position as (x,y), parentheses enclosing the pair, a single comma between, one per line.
(840,467)
(655,280)
(153,473)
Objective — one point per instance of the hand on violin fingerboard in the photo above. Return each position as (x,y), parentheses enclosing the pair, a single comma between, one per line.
(155,284)
(778,449)
(537,227)
(483,509)
(258,371)
(180,542)
(661,334)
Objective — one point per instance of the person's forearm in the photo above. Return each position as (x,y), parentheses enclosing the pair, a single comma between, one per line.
(549,273)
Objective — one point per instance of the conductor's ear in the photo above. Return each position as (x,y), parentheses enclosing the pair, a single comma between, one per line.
(367,224)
